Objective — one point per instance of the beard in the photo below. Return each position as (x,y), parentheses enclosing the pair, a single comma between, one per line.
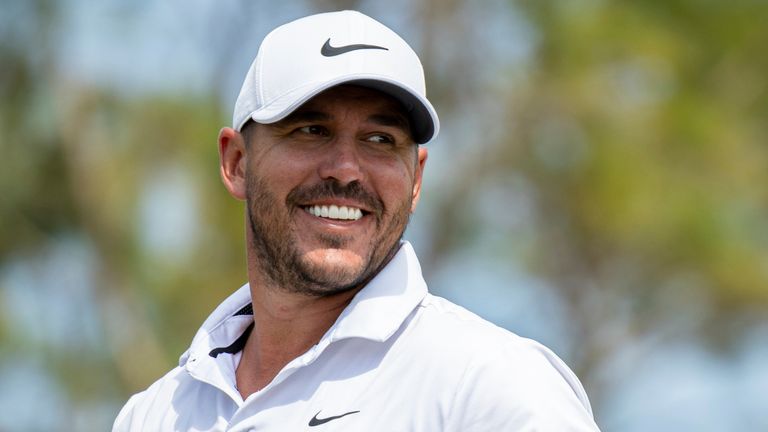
(274,241)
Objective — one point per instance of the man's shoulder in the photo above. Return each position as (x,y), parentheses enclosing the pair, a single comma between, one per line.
(447,322)
(165,402)
(480,341)
(487,353)
(144,404)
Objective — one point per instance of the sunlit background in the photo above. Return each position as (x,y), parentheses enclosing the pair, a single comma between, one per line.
(599,184)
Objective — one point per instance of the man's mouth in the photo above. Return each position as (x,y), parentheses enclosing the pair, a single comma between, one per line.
(334,212)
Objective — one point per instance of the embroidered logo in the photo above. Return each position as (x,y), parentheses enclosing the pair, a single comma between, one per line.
(318,421)
(330,51)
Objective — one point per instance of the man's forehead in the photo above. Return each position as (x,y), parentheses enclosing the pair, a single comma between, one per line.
(380,107)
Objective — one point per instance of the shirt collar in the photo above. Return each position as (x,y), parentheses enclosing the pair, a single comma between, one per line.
(223,327)
(378,310)
(375,313)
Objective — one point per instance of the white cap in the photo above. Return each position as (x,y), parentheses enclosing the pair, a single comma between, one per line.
(298,60)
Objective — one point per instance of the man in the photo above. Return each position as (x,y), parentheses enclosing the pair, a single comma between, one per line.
(335,329)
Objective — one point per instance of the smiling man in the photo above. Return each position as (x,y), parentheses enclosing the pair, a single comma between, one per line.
(335,329)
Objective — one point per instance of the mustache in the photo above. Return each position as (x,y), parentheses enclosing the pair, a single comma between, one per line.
(333,189)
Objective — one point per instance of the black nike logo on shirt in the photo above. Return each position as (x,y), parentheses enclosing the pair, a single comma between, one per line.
(318,421)
(329,51)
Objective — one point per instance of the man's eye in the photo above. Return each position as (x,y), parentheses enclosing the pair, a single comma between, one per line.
(381,139)
(314,130)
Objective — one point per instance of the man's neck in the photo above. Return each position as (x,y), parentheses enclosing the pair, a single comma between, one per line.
(286,325)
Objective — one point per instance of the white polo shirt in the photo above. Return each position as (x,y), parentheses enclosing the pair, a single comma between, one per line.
(396,359)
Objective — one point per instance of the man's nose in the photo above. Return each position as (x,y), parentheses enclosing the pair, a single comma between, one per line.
(342,161)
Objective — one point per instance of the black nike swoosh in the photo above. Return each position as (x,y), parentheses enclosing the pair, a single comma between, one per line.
(317,421)
(329,51)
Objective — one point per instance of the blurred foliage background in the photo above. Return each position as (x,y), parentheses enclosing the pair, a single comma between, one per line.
(596,186)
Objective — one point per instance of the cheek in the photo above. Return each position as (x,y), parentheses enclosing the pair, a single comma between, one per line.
(394,183)
(281,172)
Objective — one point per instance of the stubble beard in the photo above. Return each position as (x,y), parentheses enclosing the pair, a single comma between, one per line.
(278,258)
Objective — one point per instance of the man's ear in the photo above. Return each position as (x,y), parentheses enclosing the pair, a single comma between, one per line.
(418,176)
(232,160)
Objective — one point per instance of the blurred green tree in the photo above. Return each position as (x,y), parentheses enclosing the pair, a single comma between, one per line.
(637,130)
(640,130)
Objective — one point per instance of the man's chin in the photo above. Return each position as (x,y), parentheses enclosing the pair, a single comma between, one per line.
(334,258)
(333,270)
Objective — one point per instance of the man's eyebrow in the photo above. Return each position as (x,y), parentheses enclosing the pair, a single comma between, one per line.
(393,120)
(305,116)
(390,120)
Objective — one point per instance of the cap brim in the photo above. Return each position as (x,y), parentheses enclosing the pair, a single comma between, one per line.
(421,114)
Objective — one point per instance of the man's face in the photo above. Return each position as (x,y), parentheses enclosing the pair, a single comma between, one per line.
(329,190)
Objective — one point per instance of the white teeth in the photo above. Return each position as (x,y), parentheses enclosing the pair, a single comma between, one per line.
(335,212)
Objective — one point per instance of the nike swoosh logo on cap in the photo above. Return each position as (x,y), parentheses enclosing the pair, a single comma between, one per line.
(330,51)
(317,421)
